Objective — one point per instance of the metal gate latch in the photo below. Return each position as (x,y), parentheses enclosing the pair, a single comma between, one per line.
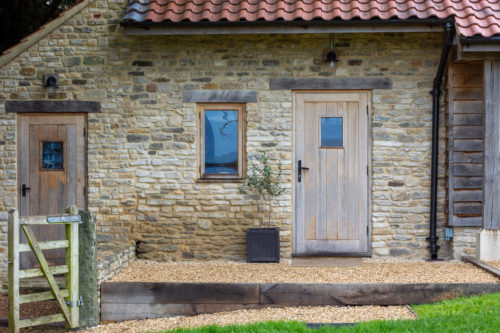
(78,303)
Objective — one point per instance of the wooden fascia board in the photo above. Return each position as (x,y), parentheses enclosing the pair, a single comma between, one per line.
(274,29)
(43,31)
(481,48)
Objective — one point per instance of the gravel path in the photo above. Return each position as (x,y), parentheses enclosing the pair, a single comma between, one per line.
(369,272)
(327,314)
(495,264)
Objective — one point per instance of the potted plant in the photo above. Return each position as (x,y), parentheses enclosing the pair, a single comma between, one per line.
(263,243)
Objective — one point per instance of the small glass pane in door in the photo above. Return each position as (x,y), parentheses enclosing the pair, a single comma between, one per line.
(331,132)
(52,155)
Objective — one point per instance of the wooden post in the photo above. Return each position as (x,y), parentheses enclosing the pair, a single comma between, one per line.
(73,263)
(491,207)
(13,234)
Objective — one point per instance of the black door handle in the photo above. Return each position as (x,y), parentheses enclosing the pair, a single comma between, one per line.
(300,170)
(24,188)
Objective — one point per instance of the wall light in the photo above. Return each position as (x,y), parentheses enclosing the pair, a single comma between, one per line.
(331,57)
(50,81)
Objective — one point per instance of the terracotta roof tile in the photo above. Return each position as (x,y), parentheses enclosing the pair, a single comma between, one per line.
(472,17)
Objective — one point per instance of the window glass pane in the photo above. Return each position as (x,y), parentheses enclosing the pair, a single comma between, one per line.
(221,142)
(331,132)
(52,155)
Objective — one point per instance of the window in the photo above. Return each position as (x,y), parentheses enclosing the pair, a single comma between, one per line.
(52,155)
(331,132)
(221,141)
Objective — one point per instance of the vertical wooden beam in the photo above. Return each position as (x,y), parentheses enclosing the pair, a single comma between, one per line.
(73,274)
(13,235)
(491,208)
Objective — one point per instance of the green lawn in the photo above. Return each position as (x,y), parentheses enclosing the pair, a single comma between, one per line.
(475,314)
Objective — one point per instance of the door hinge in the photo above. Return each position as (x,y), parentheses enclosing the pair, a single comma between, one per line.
(367,230)
(85,191)
(84,132)
(367,170)
(367,110)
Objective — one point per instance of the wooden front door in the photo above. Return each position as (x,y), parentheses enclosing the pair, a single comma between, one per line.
(52,171)
(331,173)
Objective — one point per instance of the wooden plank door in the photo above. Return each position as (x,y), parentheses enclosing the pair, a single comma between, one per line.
(331,201)
(52,172)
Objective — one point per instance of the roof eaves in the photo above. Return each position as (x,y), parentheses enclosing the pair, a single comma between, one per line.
(281,26)
(12,52)
(481,40)
(480,45)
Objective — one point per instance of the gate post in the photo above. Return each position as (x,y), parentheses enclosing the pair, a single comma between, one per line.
(13,235)
(73,262)
(89,310)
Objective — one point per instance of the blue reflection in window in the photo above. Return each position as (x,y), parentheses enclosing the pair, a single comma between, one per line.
(221,142)
(52,155)
(331,132)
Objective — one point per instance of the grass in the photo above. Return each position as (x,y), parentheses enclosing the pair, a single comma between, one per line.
(474,314)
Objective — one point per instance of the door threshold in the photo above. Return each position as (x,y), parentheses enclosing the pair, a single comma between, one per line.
(333,254)
(326,261)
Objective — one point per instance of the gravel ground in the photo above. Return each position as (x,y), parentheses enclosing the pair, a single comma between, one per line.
(368,272)
(28,310)
(371,271)
(327,314)
(495,264)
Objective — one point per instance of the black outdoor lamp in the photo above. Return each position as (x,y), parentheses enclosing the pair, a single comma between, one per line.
(331,57)
(50,81)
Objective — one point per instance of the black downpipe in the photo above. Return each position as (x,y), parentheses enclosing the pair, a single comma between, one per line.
(436,93)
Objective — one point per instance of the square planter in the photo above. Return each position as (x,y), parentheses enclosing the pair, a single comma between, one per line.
(263,245)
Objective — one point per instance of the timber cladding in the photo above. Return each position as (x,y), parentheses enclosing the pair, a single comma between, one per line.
(135,300)
(466,142)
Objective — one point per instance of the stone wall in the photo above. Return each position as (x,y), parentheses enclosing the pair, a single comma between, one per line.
(142,147)
(112,258)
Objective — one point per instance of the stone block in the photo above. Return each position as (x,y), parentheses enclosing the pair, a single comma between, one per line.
(93,60)
(137,137)
(27,71)
(488,245)
(72,61)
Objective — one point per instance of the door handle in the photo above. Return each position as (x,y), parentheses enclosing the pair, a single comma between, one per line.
(24,188)
(300,170)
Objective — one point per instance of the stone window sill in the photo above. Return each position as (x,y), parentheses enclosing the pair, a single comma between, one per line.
(224,180)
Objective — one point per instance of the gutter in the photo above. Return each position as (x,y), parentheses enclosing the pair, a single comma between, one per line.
(436,93)
(478,44)
(480,40)
(281,27)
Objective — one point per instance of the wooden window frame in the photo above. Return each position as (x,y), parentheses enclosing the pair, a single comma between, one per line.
(240,108)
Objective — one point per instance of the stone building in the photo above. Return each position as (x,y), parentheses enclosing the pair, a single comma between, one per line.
(150,114)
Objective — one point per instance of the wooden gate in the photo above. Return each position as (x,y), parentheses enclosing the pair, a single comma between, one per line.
(68,298)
